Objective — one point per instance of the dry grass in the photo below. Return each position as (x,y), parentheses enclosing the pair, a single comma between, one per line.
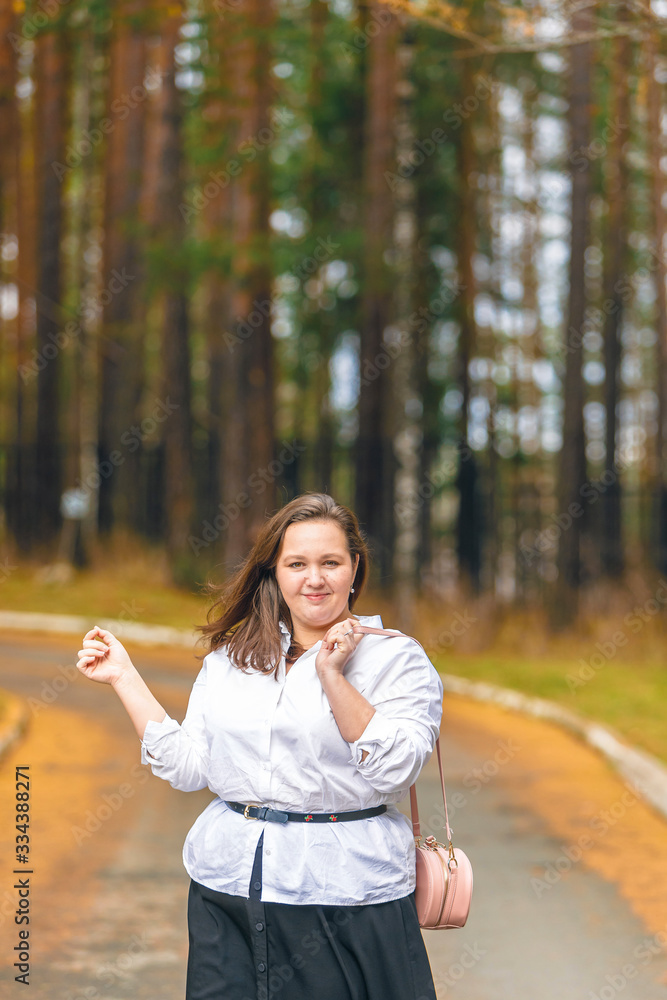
(126,580)
(611,668)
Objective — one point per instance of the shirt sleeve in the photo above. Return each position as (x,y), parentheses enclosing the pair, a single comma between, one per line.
(406,693)
(180,753)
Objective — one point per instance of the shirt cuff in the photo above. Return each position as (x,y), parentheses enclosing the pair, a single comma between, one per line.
(153,734)
(380,731)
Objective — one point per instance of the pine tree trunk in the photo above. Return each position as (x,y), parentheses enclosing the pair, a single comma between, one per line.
(374,461)
(617,185)
(247,446)
(655,112)
(25,474)
(11,389)
(405,425)
(429,392)
(176,428)
(325,321)
(572,456)
(469,519)
(215,226)
(121,341)
(527,521)
(51,62)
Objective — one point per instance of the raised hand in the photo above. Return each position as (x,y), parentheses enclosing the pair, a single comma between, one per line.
(103,658)
(338,644)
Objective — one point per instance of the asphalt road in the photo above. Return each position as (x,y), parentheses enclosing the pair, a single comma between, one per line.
(108,890)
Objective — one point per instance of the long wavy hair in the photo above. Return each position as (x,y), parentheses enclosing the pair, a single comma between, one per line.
(249,607)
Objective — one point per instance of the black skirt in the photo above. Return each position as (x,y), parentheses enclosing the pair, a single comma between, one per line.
(244,949)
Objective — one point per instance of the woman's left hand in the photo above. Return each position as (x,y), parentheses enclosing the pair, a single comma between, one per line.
(338,644)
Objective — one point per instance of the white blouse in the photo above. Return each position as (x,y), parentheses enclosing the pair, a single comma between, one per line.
(257,739)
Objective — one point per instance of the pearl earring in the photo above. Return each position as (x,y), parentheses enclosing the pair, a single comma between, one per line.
(351,590)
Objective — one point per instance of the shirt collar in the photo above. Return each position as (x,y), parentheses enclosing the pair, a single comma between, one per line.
(374,620)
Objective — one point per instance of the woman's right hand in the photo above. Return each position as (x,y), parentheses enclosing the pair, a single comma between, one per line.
(103,658)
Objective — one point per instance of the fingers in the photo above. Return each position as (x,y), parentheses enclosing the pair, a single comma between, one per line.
(343,632)
(105,633)
(102,632)
(350,633)
(93,646)
(93,651)
(96,644)
(88,654)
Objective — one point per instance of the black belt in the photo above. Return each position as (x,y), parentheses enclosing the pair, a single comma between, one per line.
(275,816)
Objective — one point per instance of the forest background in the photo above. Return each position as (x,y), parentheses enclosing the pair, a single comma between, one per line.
(408,253)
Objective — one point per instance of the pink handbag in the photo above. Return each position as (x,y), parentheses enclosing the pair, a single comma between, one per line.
(444,873)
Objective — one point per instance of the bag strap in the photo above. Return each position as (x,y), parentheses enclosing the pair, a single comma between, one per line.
(414,808)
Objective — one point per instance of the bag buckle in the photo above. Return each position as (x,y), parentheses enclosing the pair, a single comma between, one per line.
(430,843)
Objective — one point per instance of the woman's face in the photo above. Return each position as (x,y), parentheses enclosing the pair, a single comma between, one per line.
(315,572)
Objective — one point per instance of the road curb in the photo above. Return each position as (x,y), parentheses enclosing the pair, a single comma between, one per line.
(645,772)
(152,635)
(13,723)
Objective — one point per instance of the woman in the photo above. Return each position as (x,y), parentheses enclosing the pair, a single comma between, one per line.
(302,869)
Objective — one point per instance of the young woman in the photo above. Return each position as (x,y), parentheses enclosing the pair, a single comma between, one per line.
(302,869)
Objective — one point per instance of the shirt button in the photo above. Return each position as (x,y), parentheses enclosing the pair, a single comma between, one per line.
(261,967)
(257,886)
(267,851)
(259,926)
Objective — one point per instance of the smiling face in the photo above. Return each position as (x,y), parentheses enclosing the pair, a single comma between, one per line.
(315,572)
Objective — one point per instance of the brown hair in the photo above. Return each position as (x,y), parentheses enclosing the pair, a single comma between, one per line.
(249,607)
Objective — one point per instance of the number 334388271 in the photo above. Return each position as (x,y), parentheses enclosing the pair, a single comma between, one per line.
(22,814)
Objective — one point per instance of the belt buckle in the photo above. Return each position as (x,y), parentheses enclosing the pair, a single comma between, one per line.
(245,812)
